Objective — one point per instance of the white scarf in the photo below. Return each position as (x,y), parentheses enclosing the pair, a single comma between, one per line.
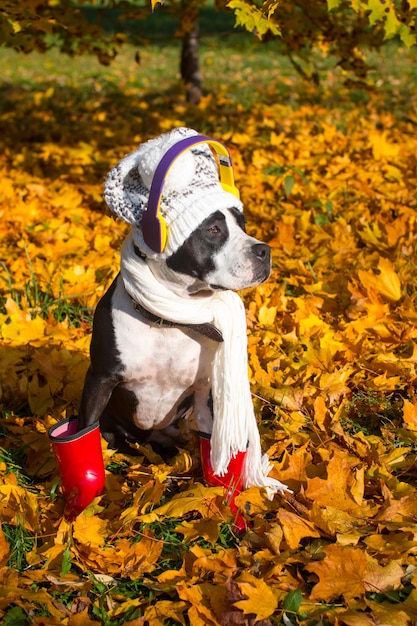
(234,423)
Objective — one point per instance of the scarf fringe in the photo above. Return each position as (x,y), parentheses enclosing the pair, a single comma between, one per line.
(234,424)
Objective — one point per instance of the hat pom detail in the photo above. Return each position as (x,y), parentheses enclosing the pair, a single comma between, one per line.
(180,174)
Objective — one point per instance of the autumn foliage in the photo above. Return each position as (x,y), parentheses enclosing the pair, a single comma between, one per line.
(329,180)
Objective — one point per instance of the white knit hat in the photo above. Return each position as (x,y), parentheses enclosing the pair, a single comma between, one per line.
(191,191)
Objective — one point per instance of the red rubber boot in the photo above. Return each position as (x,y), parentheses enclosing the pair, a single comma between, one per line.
(232,480)
(80,462)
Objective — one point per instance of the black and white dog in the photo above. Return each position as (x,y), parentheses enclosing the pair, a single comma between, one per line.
(166,333)
(147,372)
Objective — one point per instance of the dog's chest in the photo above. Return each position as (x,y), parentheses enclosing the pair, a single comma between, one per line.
(154,350)
(161,365)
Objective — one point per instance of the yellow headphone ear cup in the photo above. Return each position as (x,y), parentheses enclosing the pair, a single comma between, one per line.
(163,230)
(227,179)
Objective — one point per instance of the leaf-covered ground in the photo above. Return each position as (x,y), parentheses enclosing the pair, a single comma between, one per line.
(328,177)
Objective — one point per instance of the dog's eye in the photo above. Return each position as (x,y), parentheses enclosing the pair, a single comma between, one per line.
(213,230)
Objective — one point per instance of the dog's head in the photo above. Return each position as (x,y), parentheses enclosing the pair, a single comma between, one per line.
(185,214)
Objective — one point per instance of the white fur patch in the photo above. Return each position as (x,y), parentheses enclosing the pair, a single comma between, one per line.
(159,376)
(234,263)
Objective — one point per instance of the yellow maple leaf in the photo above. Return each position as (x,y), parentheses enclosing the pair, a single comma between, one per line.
(19,326)
(320,411)
(410,414)
(158,614)
(137,558)
(341,573)
(197,498)
(267,315)
(262,600)
(334,487)
(144,498)
(385,613)
(4,550)
(380,578)
(253,500)
(199,613)
(81,619)
(90,530)
(16,499)
(387,282)
(223,561)
(39,396)
(275,536)
(382,148)
(333,384)
(207,528)
(202,616)
(295,528)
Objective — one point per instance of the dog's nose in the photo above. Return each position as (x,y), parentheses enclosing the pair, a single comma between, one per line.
(261,251)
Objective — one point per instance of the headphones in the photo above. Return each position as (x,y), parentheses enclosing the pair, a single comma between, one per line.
(154,228)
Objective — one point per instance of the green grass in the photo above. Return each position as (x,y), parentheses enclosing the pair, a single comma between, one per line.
(16,616)
(20,541)
(42,302)
(14,459)
(236,65)
(242,60)
(369,412)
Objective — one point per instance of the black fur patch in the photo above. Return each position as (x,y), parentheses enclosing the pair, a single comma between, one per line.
(195,256)
(103,342)
(239,217)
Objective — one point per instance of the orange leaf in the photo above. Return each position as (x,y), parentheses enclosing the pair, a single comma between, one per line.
(381,579)
(387,282)
(410,414)
(341,573)
(262,600)
(197,498)
(208,529)
(4,550)
(90,530)
(164,610)
(332,521)
(199,613)
(295,528)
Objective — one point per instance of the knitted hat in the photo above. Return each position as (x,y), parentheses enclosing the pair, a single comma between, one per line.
(191,191)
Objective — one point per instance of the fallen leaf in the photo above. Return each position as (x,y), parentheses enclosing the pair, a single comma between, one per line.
(261,600)
(341,573)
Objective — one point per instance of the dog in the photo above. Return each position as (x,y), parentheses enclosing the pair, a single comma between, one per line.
(146,373)
(169,336)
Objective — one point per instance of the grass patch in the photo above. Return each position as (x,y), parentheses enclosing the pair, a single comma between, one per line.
(14,460)
(43,302)
(16,616)
(372,413)
(21,542)
(245,69)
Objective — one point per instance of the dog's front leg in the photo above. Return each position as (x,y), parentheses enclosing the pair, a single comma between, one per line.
(203,410)
(98,388)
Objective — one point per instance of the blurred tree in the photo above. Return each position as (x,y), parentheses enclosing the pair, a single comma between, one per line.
(339,27)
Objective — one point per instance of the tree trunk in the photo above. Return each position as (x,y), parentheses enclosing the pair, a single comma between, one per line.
(190,65)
